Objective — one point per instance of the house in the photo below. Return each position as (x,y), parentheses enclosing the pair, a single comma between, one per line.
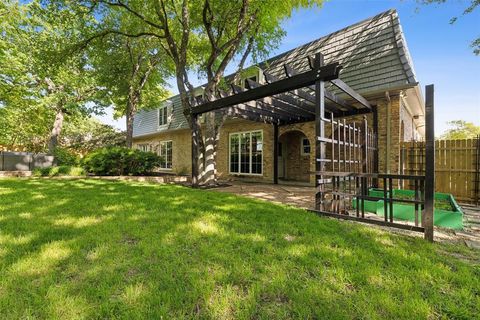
(376,63)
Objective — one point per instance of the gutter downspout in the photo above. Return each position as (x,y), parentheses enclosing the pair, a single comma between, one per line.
(387,150)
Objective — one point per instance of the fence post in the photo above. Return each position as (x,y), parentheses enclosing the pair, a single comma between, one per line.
(429,162)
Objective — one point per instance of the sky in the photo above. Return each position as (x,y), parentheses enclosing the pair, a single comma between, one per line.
(440,50)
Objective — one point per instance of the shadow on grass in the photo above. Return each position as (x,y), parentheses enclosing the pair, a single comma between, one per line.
(103,249)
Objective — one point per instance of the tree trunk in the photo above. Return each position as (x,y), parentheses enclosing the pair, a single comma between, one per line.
(56,130)
(209,176)
(133,99)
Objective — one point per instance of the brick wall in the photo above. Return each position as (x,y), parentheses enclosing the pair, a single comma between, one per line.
(232,126)
(181,141)
(181,148)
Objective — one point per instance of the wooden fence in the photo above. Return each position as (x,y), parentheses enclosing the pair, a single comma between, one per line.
(457,166)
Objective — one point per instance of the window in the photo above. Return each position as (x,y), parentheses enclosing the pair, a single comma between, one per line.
(246,152)
(305,147)
(143,147)
(245,83)
(165,152)
(163,115)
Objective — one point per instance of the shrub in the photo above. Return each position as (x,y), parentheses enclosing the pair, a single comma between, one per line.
(64,157)
(120,161)
(59,171)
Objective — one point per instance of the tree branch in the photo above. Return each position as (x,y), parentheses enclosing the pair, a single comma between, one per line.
(135,13)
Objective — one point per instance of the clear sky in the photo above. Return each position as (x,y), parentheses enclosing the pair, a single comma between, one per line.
(440,51)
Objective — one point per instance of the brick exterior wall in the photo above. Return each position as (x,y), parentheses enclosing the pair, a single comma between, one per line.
(297,167)
(181,148)
(233,126)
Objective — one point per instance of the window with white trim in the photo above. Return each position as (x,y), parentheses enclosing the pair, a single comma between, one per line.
(163,115)
(305,149)
(143,147)
(165,152)
(246,152)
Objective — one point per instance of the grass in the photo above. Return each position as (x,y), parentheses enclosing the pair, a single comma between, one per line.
(59,171)
(74,249)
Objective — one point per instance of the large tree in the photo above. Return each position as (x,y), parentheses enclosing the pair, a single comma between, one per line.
(202,37)
(38,77)
(133,71)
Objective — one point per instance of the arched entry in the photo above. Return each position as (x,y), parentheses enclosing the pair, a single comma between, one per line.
(294,152)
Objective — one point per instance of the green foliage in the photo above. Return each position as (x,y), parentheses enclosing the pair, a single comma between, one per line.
(84,134)
(96,249)
(461,130)
(120,161)
(64,157)
(63,170)
(38,77)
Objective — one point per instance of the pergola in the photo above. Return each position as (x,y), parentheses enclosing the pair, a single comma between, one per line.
(352,166)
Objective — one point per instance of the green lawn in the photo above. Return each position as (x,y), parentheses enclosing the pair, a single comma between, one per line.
(72,249)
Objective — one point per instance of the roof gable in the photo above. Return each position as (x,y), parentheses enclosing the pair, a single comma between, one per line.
(373,53)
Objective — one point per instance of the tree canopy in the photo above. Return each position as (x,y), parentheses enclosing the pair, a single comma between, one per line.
(461,129)
(199,37)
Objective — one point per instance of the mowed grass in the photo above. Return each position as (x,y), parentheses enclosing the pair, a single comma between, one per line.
(74,249)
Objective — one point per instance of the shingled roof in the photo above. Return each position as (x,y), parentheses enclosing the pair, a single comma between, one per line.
(373,53)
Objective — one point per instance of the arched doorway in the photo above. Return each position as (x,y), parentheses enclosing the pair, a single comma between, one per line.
(294,156)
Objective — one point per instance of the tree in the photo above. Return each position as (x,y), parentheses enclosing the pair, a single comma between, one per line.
(461,130)
(84,134)
(134,72)
(37,74)
(475,44)
(202,37)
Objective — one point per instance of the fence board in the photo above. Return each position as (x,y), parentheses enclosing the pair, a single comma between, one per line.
(456,168)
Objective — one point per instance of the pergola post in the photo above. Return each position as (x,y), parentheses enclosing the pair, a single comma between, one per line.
(195,145)
(319,135)
(275,153)
(375,150)
(429,163)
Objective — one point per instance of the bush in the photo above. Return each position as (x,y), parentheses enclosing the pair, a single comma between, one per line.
(59,171)
(120,161)
(63,157)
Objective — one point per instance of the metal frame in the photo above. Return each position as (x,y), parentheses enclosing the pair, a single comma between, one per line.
(290,100)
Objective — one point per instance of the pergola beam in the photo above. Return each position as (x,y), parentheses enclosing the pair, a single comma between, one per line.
(268,105)
(352,93)
(326,73)
(303,111)
(238,111)
(290,71)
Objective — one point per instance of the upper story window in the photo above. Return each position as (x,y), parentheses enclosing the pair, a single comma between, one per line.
(163,115)
(305,148)
(245,82)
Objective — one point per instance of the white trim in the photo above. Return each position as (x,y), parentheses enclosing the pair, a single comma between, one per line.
(168,105)
(239,150)
(302,153)
(146,146)
(160,153)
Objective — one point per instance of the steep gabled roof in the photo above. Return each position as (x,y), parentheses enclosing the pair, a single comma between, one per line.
(373,53)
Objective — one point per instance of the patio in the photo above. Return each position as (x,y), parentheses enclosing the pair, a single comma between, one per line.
(304,197)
